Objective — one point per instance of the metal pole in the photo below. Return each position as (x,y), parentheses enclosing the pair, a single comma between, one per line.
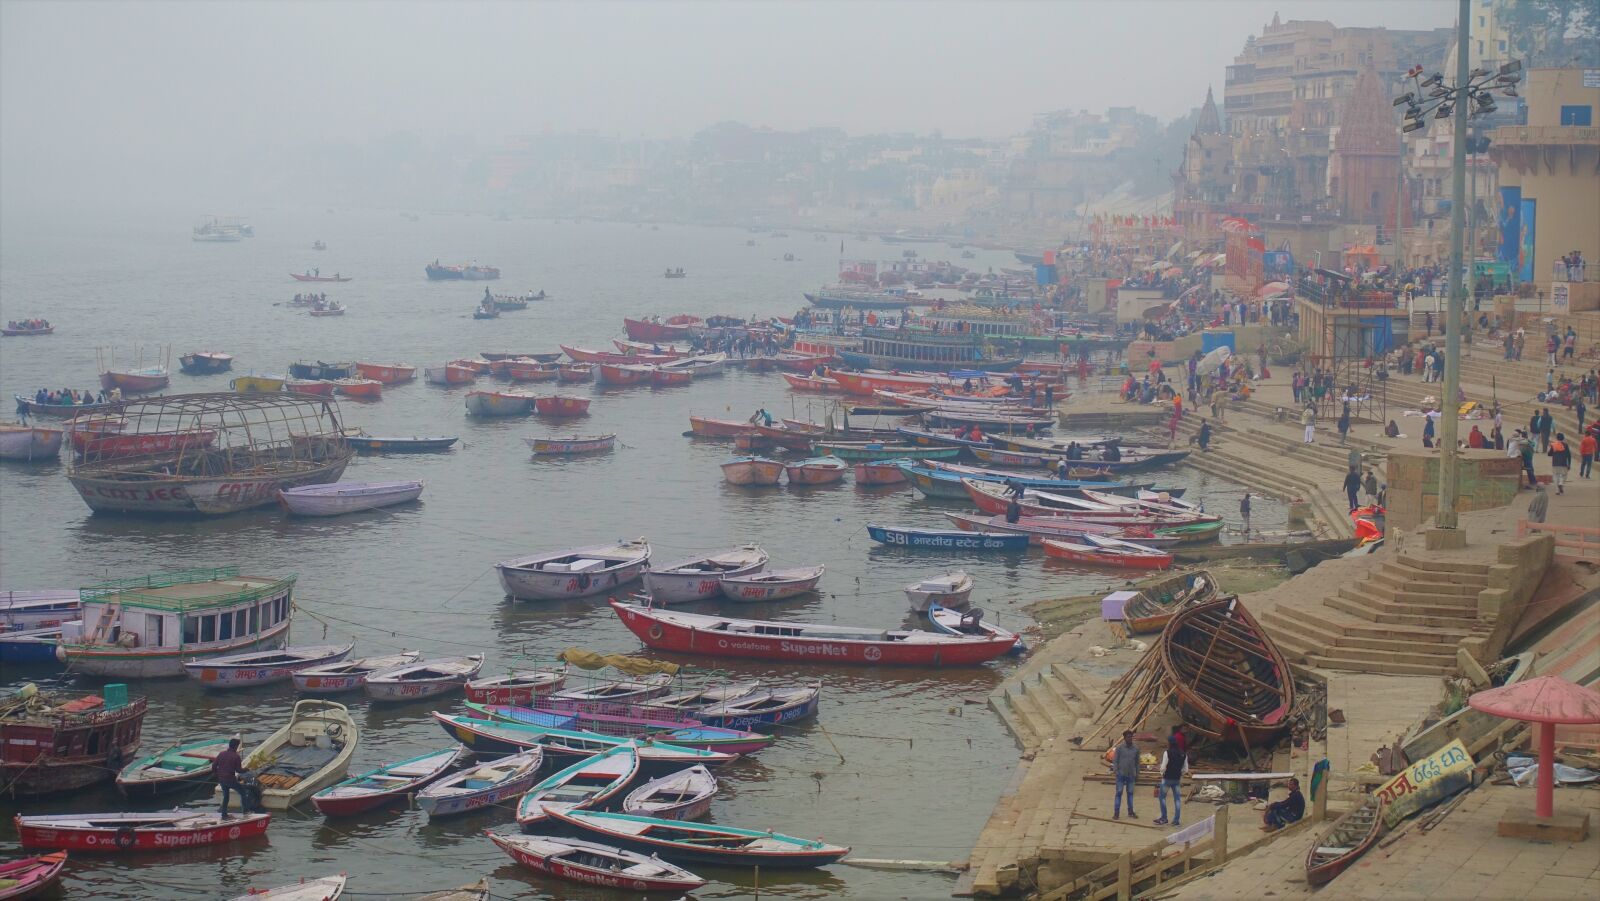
(1472,222)
(1399,198)
(1449,456)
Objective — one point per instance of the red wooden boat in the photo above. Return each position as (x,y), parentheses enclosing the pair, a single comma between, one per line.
(66,743)
(520,689)
(582,355)
(812,384)
(561,405)
(306,386)
(801,363)
(783,436)
(675,328)
(1112,552)
(706,427)
(479,367)
(319,278)
(624,374)
(105,445)
(386,784)
(717,636)
(31,877)
(530,371)
(662,378)
(880,472)
(369,388)
(576,372)
(116,833)
(387,373)
(591,863)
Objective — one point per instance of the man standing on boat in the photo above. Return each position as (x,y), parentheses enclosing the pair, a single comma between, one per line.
(1125,764)
(226,767)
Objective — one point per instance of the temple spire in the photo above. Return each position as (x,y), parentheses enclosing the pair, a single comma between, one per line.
(1210,120)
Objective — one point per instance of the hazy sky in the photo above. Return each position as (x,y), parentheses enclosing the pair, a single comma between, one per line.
(175,82)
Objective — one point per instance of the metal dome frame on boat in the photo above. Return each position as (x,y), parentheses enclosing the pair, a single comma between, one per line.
(207,454)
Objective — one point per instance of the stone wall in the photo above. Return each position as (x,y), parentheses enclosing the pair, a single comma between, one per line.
(1514,577)
(1486,479)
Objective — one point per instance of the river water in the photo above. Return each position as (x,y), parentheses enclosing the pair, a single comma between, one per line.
(901,763)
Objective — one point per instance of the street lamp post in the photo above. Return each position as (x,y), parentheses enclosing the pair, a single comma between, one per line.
(1470,95)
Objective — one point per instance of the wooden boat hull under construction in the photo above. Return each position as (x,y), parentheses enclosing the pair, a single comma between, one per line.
(1228,679)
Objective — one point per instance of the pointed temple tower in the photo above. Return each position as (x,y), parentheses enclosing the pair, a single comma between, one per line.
(1364,168)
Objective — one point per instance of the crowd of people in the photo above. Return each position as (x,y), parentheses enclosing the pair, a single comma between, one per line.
(28,325)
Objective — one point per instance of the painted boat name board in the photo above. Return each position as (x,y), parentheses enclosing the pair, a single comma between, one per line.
(1426,782)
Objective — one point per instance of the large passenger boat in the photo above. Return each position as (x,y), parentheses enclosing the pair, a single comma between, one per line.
(147,627)
(62,742)
(924,349)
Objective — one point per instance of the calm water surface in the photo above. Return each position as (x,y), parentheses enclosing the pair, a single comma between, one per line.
(901,764)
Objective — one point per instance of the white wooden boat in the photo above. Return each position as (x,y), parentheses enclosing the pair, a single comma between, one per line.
(499,403)
(970,622)
(423,680)
(348,675)
(328,888)
(30,443)
(698,578)
(591,863)
(262,667)
(631,691)
(953,589)
(689,702)
(684,795)
(577,444)
(591,782)
(347,497)
(772,584)
(482,786)
(574,573)
(705,364)
(311,752)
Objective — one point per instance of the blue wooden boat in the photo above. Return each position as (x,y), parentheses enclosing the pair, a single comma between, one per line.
(502,737)
(968,622)
(946,539)
(764,709)
(34,646)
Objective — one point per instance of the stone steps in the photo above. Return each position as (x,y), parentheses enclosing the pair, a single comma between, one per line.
(1375,612)
(1335,660)
(1415,597)
(1443,566)
(1368,655)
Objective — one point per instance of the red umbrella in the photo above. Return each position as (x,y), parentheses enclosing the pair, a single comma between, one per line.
(1547,700)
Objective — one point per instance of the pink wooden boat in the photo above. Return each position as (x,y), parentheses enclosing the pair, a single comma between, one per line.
(363,388)
(386,784)
(520,689)
(880,472)
(31,876)
(307,386)
(817,471)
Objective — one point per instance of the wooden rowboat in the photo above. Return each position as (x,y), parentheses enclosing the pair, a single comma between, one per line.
(482,786)
(31,877)
(347,497)
(949,590)
(309,753)
(575,373)
(720,636)
(426,679)
(377,444)
(387,373)
(578,444)
(499,403)
(532,371)
(113,833)
(703,843)
(1228,679)
(152,378)
(1094,550)
(179,767)
(699,578)
(309,386)
(591,782)
(684,795)
(205,362)
(1351,836)
(752,471)
(253,668)
(882,472)
(386,784)
(1154,603)
(816,471)
(624,374)
(327,888)
(449,374)
(30,443)
(561,405)
(591,863)
(522,688)
(969,622)
(772,584)
(574,573)
(705,427)
(662,377)
(624,691)
(362,388)
(763,709)
(812,384)
(27,332)
(348,675)
(873,452)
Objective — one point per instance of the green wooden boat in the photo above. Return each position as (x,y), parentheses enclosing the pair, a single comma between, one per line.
(1192,533)
(868,453)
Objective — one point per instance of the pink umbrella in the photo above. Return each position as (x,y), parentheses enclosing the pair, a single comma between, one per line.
(1547,700)
(1271,288)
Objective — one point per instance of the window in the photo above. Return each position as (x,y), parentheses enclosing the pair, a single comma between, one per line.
(208,629)
(191,629)
(255,619)
(1580,115)
(225,626)
(239,620)
(154,635)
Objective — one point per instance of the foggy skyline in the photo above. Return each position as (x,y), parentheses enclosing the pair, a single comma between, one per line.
(114,93)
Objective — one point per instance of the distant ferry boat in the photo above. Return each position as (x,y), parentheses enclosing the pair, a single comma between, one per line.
(464,272)
(839,298)
(922,349)
(223,230)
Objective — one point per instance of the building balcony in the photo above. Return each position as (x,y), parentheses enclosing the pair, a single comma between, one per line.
(1543,136)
